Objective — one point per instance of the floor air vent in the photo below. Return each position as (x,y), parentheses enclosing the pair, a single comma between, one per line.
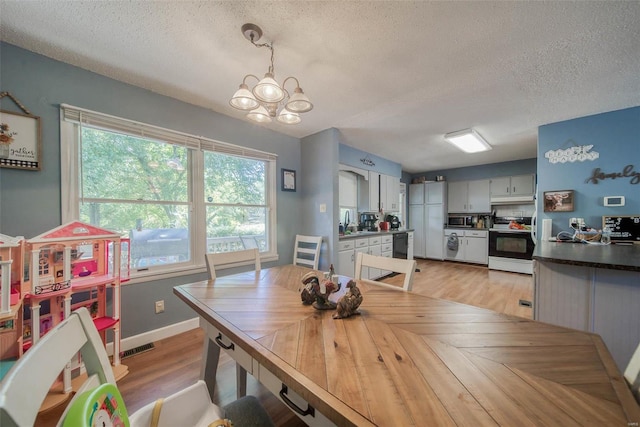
(137,350)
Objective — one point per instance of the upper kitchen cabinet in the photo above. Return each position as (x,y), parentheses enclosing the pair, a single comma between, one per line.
(469,196)
(518,186)
(416,194)
(389,193)
(348,189)
(369,194)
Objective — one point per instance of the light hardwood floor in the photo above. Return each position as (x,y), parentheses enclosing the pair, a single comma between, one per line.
(174,363)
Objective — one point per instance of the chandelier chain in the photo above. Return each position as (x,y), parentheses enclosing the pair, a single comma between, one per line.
(269,45)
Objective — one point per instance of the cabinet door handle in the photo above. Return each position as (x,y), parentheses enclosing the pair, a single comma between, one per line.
(514,189)
(309,411)
(353,257)
(223,345)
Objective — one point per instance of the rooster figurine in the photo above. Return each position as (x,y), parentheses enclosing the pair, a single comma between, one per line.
(348,304)
(317,292)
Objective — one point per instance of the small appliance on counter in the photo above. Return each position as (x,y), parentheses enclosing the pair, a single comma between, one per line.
(394,222)
(460,221)
(368,221)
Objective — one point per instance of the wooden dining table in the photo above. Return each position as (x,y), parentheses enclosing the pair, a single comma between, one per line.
(409,359)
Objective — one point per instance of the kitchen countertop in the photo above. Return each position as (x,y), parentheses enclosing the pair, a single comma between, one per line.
(612,257)
(372,233)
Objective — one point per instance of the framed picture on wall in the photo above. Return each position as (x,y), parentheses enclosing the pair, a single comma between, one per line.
(20,145)
(288,180)
(558,201)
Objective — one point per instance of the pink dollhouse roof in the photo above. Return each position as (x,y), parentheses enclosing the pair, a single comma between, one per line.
(9,242)
(74,230)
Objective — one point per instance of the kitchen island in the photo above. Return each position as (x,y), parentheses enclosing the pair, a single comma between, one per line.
(593,288)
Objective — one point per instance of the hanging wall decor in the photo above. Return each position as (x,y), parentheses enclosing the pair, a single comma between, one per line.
(573,153)
(20,142)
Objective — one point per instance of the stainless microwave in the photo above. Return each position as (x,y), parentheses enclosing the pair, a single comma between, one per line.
(460,221)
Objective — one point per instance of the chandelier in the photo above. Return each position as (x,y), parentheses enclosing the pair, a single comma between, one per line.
(268,99)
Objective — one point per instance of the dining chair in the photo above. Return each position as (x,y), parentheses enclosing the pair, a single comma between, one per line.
(235,258)
(396,265)
(97,399)
(632,373)
(306,251)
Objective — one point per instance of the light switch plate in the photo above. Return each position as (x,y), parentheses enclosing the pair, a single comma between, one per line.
(323,207)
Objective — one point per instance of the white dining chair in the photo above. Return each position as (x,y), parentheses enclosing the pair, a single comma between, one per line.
(232,259)
(306,251)
(26,385)
(632,373)
(211,349)
(396,265)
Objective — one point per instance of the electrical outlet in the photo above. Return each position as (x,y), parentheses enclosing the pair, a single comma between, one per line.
(159,306)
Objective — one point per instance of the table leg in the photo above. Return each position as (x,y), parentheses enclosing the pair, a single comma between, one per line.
(209,364)
(241,381)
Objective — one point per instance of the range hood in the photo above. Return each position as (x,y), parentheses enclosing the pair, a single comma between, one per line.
(512,200)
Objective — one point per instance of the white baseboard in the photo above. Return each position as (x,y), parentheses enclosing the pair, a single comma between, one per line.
(154,335)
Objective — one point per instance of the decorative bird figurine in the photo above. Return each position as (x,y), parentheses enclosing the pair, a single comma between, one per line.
(308,293)
(348,304)
(317,292)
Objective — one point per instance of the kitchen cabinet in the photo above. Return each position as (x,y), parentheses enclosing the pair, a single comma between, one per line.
(469,196)
(346,258)
(416,194)
(369,193)
(348,189)
(410,236)
(348,250)
(417,222)
(386,250)
(477,246)
(428,219)
(518,185)
(389,193)
(473,246)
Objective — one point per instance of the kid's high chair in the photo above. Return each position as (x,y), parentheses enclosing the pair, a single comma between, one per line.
(26,385)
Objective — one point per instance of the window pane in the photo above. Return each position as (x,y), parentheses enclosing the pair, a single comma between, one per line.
(116,166)
(236,228)
(159,233)
(234,180)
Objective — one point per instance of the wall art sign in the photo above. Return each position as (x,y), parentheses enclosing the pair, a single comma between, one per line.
(627,172)
(288,180)
(367,161)
(558,201)
(574,153)
(20,141)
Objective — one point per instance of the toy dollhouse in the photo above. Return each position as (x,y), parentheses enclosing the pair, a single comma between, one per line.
(10,301)
(73,265)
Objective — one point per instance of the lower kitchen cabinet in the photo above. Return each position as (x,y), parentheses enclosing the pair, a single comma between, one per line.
(346,258)
(472,246)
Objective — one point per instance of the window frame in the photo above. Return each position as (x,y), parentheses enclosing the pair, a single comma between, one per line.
(71,120)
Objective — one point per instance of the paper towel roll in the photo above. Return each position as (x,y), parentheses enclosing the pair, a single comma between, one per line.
(546,229)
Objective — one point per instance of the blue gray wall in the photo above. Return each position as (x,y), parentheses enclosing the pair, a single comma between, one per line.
(320,179)
(353,157)
(30,200)
(516,167)
(616,137)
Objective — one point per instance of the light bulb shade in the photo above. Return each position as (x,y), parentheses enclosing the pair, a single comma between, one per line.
(468,140)
(260,115)
(268,90)
(243,99)
(288,117)
(298,102)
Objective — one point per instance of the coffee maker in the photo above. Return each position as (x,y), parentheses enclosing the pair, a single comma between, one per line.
(368,221)
(393,221)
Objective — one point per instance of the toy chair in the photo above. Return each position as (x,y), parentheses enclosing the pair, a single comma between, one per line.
(26,385)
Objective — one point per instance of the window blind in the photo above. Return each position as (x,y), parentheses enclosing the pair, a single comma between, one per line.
(117,124)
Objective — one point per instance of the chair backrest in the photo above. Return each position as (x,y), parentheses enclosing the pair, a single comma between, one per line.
(306,251)
(632,373)
(397,265)
(244,257)
(25,386)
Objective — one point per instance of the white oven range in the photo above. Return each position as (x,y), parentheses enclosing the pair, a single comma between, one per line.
(511,249)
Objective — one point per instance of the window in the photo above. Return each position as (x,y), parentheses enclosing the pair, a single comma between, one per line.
(175,196)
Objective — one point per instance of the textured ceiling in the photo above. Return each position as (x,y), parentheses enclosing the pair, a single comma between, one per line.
(393,77)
